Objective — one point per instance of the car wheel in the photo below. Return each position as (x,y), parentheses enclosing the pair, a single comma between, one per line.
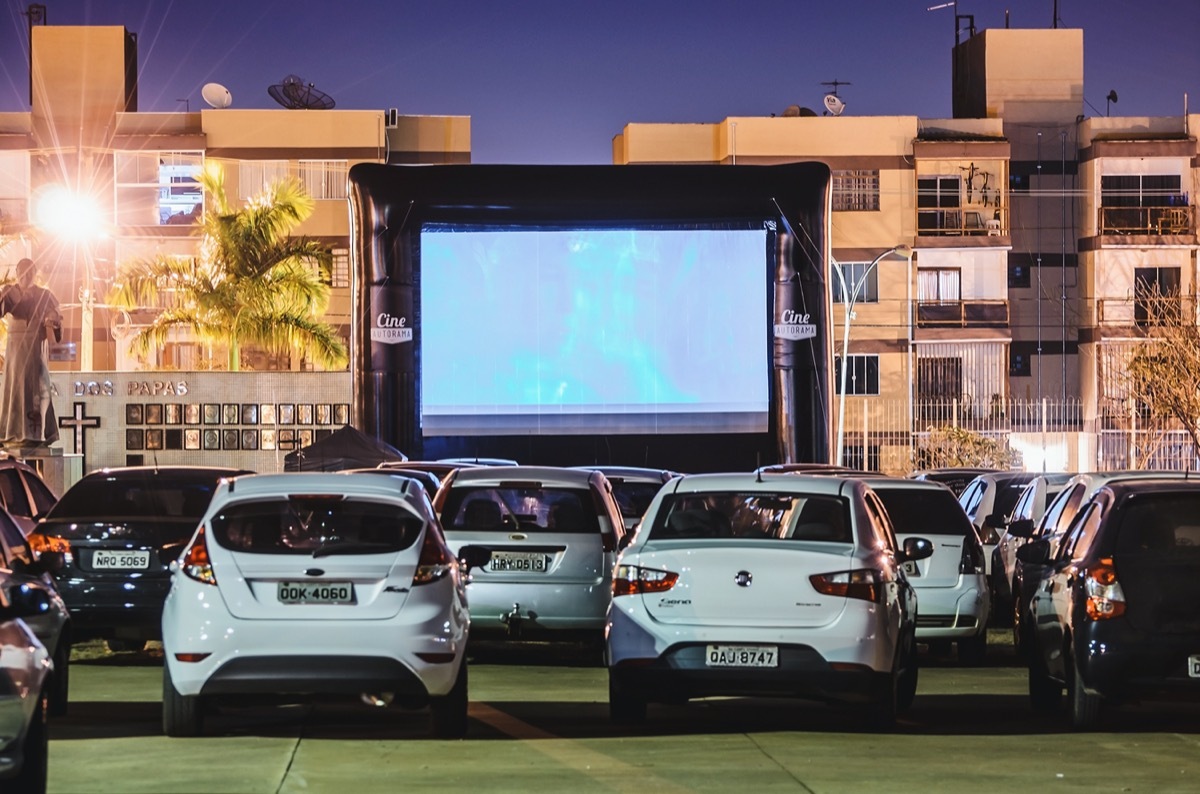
(973,650)
(448,713)
(36,752)
(1045,694)
(1085,706)
(182,715)
(625,706)
(60,679)
(906,691)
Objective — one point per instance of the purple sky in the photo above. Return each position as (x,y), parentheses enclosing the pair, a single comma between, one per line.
(552,81)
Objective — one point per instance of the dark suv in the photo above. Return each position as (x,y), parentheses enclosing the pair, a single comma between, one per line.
(1115,611)
(118,530)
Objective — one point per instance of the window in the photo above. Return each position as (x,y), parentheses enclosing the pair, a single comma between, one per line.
(14,189)
(254,176)
(1018,276)
(939,285)
(856,191)
(862,377)
(1141,190)
(859,277)
(1155,295)
(324,179)
(940,378)
(938,202)
(339,273)
(158,188)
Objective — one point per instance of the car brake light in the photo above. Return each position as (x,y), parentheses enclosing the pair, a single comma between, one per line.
(632,580)
(39,543)
(195,562)
(971,559)
(862,583)
(1105,598)
(436,559)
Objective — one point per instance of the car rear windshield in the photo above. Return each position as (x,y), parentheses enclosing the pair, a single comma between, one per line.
(925,511)
(753,516)
(143,495)
(315,525)
(635,497)
(1160,523)
(518,507)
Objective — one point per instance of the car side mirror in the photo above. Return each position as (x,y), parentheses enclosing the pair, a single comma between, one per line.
(915,549)
(1035,552)
(1021,528)
(24,601)
(473,557)
(994,521)
(626,539)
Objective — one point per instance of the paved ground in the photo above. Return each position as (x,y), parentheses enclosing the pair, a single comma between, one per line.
(544,727)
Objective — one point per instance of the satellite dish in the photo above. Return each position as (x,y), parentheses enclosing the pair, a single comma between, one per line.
(834,104)
(294,94)
(216,95)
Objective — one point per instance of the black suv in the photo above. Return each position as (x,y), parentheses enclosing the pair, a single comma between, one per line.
(118,530)
(1115,610)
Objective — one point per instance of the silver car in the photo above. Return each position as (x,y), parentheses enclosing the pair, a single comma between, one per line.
(553,534)
(23,678)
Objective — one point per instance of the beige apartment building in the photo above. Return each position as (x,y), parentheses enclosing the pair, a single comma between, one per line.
(85,149)
(1033,231)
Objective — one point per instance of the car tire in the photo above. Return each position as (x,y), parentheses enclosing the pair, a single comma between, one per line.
(1085,706)
(1045,694)
(973,650)
(36,751)
(448,713)
(60,679)
(906,690)
(625,705)
(182,715)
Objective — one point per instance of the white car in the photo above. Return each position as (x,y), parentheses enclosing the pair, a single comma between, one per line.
(951,583)
(785,585)
(25,670)
(553,535)
(634,487)
(988,501)
(311,584)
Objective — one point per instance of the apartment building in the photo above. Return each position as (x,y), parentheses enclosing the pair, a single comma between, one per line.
(1034,231)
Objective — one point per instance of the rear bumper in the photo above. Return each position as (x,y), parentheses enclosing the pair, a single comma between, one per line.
(1119,662)
(682,673)
(313,675)
(125,608)
(538,608)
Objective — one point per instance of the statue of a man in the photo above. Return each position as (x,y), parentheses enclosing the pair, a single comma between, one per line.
(26,411)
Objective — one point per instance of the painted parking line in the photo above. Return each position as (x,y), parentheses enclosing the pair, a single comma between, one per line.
(570,753)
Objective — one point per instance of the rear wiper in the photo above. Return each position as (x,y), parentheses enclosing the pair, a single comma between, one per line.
(349,547)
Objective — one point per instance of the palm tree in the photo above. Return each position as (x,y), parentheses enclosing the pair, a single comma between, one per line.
(252,283)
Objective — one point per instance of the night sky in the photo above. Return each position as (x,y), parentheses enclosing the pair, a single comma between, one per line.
(552,81)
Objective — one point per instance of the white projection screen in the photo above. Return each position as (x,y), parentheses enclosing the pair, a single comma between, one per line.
(567,331)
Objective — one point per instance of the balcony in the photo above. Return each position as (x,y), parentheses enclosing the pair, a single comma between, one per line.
(959,223)
(970,313)
(1144,312)
(1147,220)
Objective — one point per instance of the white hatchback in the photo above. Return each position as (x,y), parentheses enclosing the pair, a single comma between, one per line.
(764,585)
(315,584)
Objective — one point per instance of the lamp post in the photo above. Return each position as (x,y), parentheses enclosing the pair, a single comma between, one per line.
(848,299)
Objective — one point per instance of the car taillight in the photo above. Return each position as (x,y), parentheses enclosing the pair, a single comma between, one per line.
(436,559)
(39,543)
(1105,598)
(633,579)
(971,559)
(862,583)
(195,562)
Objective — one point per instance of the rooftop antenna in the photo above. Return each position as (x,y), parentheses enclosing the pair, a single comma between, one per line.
(294,94)
(835,83)
(1110,100)
(958,19)
(216,95)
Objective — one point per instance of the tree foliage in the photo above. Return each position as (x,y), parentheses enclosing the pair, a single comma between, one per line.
(945,447)
(1163,372)
(251,284)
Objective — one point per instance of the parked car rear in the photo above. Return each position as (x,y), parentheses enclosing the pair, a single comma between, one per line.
(1115,611)
(118,530)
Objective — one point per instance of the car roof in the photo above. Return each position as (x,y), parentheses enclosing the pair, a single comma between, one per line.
(898,483)
(123,471)
(831,484)
(357,483)
(631,473)
(1006,477)
(547,475)
(1121,487)
(813,468)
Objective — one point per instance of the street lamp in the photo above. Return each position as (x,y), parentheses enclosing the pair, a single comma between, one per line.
(848,299)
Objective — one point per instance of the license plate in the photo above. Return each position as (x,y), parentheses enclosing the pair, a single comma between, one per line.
(1194,666)
(316,593)
(517,561)
(742,656)
(121,560)
(911,569)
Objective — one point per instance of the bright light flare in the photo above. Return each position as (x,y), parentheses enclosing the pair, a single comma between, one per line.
(68,215)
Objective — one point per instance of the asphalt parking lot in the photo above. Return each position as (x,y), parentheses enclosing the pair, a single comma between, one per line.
(538,725)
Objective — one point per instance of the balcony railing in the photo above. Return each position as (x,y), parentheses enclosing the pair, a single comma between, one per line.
(1147,220)
(1144,312)
(942,222)
(962,314)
